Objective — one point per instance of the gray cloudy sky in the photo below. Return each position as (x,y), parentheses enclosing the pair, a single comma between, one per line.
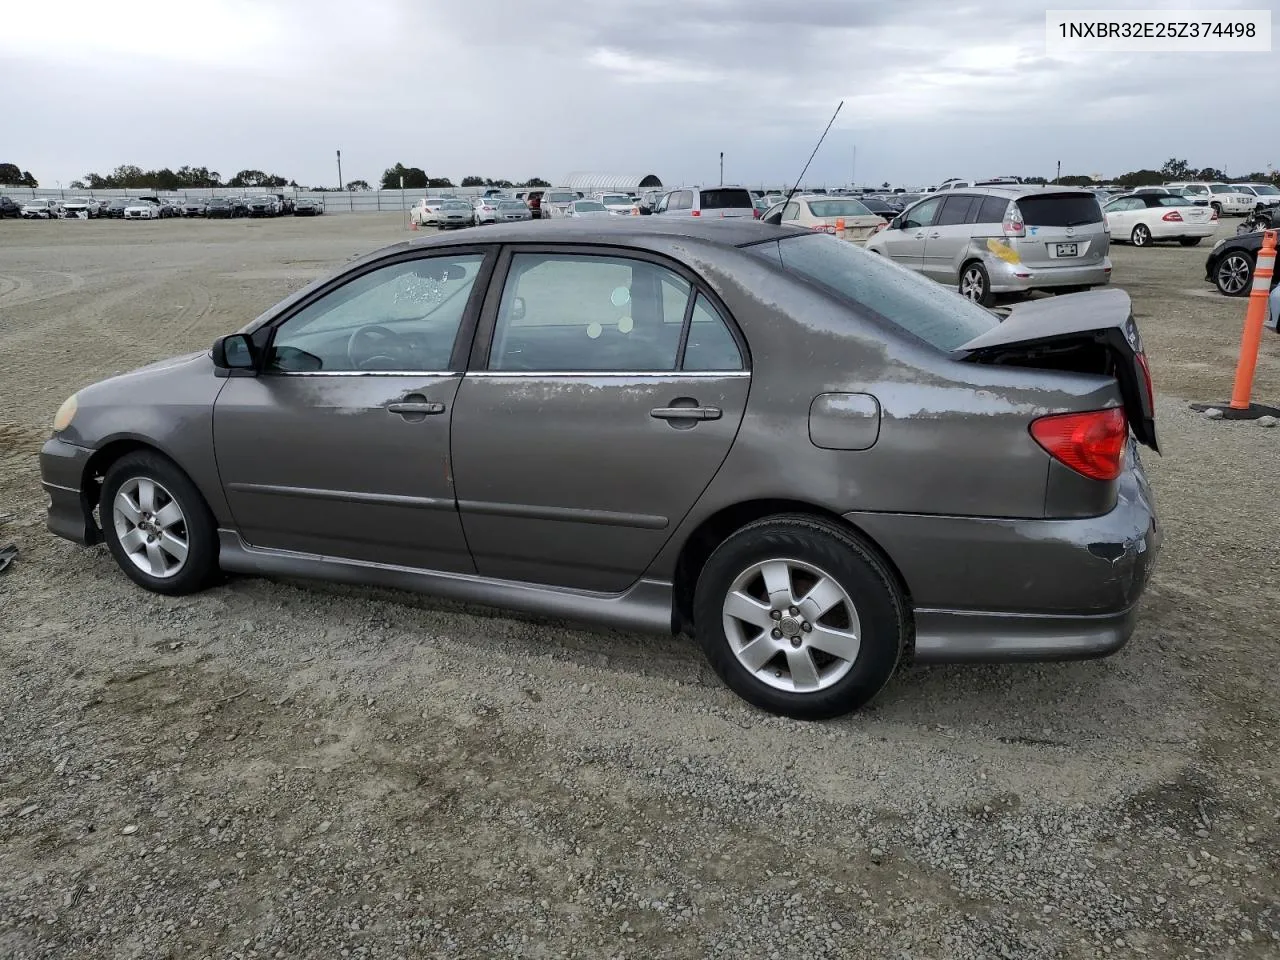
(521,88)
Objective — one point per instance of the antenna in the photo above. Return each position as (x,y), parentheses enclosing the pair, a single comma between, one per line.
(814,154)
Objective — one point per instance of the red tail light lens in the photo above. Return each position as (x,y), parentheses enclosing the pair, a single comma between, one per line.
(697,213)
(1173,216)
(1092,443)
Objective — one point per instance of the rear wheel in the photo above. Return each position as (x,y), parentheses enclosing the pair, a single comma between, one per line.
(799,617)
(1189,241)
(1141,235)
(975,284)
(1234,273)
(157,525)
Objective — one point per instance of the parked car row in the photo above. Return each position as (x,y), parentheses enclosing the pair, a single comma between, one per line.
(158,208)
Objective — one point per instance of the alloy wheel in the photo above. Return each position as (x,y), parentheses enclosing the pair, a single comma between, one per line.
(151,527)
(971,285)
(1233,273)
(1141,235)
(791,625)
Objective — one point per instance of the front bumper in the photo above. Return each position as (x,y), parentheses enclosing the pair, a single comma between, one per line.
(999,590)
(1019,277)
(62,473)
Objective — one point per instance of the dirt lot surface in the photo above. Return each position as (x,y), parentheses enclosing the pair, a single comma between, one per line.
(295,770)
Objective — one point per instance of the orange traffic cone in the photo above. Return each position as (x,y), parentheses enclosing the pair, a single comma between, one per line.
(413,224)
(1255,317)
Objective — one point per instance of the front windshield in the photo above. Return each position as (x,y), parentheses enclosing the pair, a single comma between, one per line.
(615,199)
(1266,190)
(588,206)
(455,205)
(560,197)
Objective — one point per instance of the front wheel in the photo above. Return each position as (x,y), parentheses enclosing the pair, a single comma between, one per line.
(975,284)
(1141,235)
(1234,273)
(799,617)
(157,525)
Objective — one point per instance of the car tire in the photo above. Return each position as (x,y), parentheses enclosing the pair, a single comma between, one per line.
(1233,273)
(975,284)
(1141,236)
(1217,207)
(868,620)
(1189,241)
(157,525)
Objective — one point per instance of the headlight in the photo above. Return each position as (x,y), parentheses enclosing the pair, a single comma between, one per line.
(62,419)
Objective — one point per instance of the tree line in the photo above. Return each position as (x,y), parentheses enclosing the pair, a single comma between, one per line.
(1173,170)
(129,176)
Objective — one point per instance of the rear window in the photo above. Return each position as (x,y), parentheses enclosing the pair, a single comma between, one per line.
(560,197)
(1162,200)
(838,208)
(930,311)
(725,199)
(1060,210)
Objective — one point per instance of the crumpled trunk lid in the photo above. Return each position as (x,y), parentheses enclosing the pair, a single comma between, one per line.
(1092,332)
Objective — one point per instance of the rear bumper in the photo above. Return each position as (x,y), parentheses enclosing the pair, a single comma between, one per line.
(62,469)
(1019,277)
(997,589)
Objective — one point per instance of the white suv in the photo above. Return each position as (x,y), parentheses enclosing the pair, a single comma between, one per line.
(1223,197)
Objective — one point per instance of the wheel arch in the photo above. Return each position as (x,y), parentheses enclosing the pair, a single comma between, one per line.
(719,526)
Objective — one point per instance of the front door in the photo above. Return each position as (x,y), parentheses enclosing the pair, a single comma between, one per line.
(340,446)
(609,394)
(905,244)
(948,237)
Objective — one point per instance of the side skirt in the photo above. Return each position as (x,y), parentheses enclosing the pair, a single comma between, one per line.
(646,607)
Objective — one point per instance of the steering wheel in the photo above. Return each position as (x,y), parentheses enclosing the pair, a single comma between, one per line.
(375,347)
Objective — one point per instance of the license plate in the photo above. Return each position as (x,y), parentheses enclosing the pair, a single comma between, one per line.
(1067,249)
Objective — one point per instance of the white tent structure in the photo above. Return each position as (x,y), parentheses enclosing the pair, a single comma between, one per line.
(589,183)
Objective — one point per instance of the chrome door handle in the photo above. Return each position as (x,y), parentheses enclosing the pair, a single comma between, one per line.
(424,409)
(934,236)
(686,413)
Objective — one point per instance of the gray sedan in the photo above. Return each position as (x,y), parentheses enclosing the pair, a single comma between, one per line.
(817,462)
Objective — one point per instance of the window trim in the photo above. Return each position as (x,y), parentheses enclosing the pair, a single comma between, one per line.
(263,336)
(481,344)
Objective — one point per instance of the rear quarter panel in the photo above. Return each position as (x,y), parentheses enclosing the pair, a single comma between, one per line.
(953,437)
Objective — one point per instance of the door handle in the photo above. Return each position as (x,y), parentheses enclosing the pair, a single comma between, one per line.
(426,408)
(920,235)
(934,236)
(686,413)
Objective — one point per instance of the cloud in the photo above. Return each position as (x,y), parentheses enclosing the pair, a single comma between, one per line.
(932,88)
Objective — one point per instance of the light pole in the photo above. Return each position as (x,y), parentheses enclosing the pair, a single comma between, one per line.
(1059,176)
(722,168)
(339,169)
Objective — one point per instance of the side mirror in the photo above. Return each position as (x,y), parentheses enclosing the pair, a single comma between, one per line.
(234,356)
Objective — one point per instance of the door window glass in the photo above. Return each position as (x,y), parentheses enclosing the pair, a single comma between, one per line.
(404,316)
(570,313)
(710,346)
(954,211)
(791,212)
(922,215)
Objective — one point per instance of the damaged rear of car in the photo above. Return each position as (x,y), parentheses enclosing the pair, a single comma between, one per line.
(1032,532)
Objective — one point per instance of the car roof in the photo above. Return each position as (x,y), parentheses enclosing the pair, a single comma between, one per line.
(729,232)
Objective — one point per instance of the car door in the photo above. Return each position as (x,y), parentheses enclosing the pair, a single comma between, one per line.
(340,445)
(604,393)
(948,238)
(904,243)
(1122,214)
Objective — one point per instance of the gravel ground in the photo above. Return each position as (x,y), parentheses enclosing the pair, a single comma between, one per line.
(275,769)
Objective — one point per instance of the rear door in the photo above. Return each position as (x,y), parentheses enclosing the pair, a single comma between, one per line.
(948,238)
(1063,230)
(1123,214)
(905,243)
(604,393)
